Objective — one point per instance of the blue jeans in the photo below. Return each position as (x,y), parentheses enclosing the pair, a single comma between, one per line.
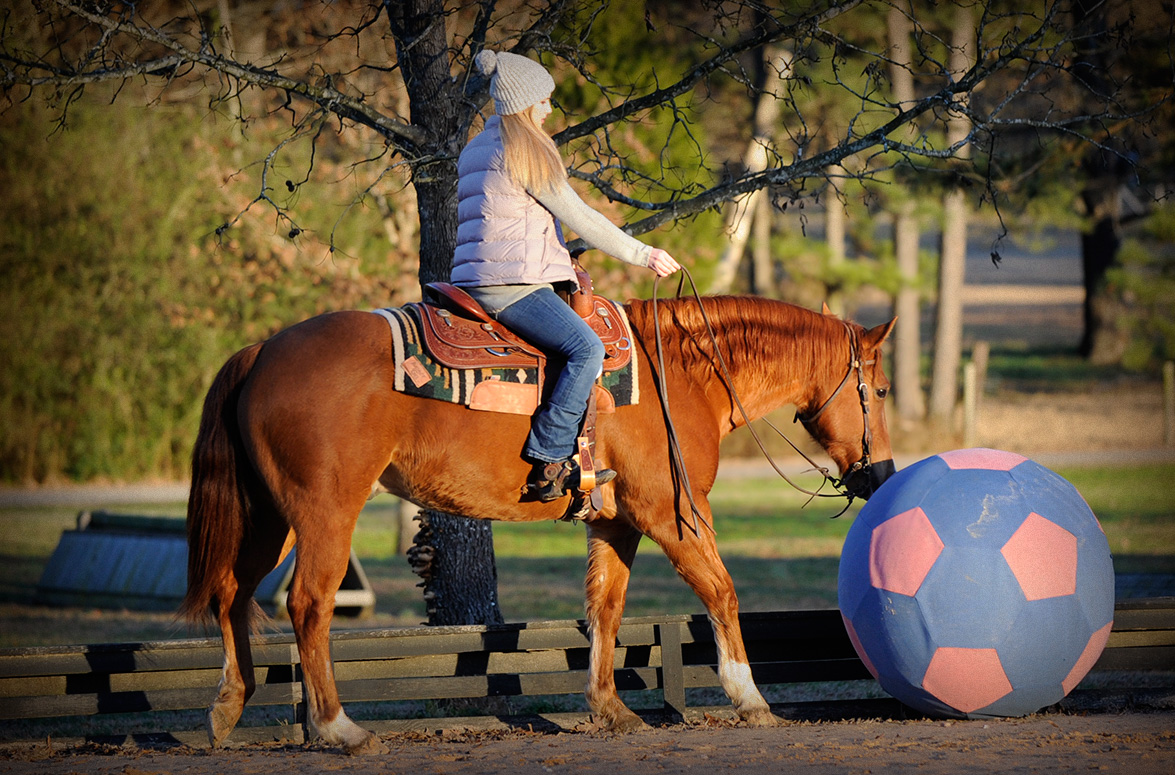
(547,321)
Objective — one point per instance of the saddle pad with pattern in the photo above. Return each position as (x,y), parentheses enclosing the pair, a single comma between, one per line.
(511,389)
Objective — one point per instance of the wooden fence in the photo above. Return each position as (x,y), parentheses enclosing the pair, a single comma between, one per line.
(665,654)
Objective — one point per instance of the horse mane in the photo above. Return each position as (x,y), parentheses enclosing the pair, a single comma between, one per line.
(750,330)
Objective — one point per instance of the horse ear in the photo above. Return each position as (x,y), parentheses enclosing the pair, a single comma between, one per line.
(878,334)
(824,310)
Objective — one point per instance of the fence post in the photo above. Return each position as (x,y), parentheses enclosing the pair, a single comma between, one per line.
(1169,403)
(974,377)
(672,667)
(302,705)
(970,404)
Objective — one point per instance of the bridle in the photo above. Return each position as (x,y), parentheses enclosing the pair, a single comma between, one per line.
(841,486)
(856,366)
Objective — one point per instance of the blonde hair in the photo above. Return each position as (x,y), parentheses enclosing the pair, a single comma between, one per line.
(531,156)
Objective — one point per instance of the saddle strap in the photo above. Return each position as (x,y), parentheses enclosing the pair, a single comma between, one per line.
(586,499)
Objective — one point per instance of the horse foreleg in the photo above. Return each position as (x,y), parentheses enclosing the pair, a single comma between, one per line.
(696,560)
(318,573)
(611,548)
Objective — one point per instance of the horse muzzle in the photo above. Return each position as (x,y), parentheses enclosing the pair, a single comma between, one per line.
(867,479)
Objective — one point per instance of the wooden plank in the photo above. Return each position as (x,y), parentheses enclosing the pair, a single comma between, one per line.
(706,676)
(389,644)
(464,687)
(472,663)
(126,658)
(1144,658)
(1145,617)
(133,682)
(134,702)
(1135,638)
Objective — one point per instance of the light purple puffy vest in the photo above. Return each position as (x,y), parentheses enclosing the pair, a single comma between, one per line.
(504,236)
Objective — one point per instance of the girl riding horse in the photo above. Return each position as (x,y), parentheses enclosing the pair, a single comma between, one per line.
(512,194)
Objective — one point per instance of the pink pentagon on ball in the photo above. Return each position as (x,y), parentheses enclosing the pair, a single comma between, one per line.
(902,551)
(1043,555)
(1085,662)
(987,459)
(966,679)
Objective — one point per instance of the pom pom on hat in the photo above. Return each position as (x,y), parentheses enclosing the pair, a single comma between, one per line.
(516,82)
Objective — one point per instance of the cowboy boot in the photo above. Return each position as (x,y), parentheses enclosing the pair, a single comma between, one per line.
(550,481)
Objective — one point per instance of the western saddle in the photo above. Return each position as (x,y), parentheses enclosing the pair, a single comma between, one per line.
(459,334)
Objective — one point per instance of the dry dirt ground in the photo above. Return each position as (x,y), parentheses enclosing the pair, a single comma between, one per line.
(1052,743)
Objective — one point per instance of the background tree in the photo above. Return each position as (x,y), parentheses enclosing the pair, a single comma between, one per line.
(657,104)
(1124,172)
(907,345)
(948,342)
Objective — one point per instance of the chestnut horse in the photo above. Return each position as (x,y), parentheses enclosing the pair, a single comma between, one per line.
(298,432)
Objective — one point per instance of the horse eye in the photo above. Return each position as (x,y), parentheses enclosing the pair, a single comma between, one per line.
(882,393)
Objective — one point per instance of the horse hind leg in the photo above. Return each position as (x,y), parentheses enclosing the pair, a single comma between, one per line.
(611,549)
(237,615)
(321,566)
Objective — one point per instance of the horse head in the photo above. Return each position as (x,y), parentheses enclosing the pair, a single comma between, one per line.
(845,411)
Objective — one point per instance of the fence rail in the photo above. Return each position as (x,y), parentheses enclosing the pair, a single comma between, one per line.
(668,654)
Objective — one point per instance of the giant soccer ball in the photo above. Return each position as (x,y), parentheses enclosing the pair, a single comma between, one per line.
(977,583)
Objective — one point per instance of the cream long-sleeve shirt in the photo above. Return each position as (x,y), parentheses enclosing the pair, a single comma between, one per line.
(592,226)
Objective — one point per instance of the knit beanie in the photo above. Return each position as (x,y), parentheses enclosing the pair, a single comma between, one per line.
(516,81)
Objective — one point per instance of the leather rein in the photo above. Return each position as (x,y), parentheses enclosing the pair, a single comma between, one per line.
(856,366)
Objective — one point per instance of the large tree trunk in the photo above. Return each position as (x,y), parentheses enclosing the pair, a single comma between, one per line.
(907,353)
(1104,338)
(454,555)
(948,341)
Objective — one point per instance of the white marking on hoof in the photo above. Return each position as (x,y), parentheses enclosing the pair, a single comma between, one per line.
(740,687)
(341,731)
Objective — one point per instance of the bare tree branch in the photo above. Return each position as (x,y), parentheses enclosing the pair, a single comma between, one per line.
(410,137)
(697,74)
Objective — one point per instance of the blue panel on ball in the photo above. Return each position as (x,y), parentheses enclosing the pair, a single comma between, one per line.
(1026,663)
(970,598)
(900,645)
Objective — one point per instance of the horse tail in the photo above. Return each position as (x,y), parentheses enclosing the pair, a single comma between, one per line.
(219,503)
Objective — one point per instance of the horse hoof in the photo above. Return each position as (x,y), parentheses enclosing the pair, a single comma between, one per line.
(370,745)
(220,724)
(627,722)
(760,717)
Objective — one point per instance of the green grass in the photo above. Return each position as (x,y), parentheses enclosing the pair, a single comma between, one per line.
(1044,369)
(781,554)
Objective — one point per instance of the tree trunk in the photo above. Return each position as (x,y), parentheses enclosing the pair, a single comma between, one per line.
(948,342)
(742,213)
(761,260)
(907,354)
(835,235)
(948,333)
(908,397)
(454,555)
(1104,338)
